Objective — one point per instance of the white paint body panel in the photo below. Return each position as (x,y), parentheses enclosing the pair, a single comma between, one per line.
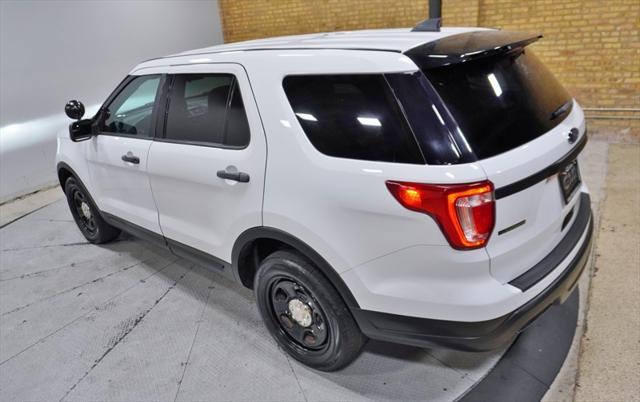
(74,155)
(393,260)
(122,188)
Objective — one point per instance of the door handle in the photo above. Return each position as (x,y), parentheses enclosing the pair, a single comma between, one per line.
(129,157)
(236,176)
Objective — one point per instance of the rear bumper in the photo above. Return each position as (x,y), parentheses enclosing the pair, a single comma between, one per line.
(491,334)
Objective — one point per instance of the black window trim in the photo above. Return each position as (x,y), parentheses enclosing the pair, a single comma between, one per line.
(397,103)
(405,117)
(449,121)
(166,100)
(154,113)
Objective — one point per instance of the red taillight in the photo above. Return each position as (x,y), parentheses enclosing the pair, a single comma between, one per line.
(465,212)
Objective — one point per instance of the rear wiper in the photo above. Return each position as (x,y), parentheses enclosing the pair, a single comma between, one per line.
(562,109)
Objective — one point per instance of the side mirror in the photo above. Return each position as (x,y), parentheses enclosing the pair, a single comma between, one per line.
(74,109)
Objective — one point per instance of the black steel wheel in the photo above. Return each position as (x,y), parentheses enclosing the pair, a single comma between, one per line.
(86,215)
(87,220)
(305,314)
(299,314)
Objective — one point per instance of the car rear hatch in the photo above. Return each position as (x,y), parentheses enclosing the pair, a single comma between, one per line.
(514,120)
(532,214)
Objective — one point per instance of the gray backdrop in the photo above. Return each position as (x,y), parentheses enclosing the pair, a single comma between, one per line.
(52,51)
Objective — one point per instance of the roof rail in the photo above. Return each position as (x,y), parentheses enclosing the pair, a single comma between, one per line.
(428,25)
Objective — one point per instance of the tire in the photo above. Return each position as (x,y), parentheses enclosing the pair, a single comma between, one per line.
(87,215)
(322,335)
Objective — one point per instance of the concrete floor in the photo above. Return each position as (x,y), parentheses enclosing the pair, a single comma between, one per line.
(17,208)
(609,366)
(593,169)
(128,321)
(604,360)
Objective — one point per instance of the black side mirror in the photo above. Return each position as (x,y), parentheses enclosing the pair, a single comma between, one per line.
(79,130)
(74,109)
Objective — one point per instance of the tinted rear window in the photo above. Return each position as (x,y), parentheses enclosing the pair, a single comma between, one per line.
(352,116)
(197,108)
(207,109)
(500,102)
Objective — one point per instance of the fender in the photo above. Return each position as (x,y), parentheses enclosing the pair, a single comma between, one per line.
(63,165)
(266,232)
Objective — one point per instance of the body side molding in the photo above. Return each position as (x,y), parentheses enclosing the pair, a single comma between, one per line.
(179,249)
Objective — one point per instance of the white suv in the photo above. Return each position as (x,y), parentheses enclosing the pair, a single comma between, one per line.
(413,187)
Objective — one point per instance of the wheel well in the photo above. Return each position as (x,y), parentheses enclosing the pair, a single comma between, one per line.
(252,254)
(255,244)
(65,172)
(63,175)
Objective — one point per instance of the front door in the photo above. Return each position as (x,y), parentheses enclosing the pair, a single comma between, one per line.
(117,156)
(207,166)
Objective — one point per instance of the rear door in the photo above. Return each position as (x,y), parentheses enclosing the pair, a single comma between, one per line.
(117,156)
(207,166)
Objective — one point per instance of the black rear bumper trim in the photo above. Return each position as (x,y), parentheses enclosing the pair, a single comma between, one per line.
(560,252)
(480,335)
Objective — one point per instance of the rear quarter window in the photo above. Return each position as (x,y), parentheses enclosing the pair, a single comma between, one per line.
(352,116)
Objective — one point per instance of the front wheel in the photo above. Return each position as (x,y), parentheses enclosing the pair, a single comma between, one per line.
(86,214)
(305,314)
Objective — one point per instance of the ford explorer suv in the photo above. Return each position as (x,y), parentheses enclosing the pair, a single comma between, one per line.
(413,186)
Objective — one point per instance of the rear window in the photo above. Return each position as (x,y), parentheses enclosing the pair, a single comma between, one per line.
(352,116)
(500,102)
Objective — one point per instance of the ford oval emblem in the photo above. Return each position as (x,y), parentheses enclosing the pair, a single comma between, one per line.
(573,135)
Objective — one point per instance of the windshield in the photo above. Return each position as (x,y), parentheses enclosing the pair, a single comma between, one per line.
(500,102)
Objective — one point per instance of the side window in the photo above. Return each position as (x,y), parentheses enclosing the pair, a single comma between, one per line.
(352,116)
(206,109)
(130,111)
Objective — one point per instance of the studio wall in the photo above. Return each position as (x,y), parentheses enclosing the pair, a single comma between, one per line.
(53,51)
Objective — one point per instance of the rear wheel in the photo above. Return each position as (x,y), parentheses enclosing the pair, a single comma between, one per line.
(305,314)
(86,215)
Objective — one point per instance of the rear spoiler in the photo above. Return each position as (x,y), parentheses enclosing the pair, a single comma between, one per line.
(468,46)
